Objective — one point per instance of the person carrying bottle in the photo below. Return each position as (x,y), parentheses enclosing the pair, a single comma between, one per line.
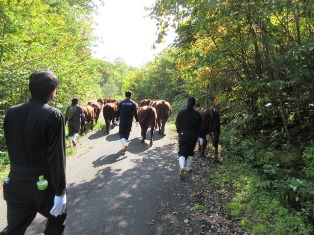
(35,139)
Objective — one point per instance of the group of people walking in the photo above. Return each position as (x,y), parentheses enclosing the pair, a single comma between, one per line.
(35,138)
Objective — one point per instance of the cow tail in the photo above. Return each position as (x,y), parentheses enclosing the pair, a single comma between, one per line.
(162,110)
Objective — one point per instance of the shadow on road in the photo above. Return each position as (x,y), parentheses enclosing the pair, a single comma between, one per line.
(112,137)
(110,159)
(126,201)
(96,135)
(140,195)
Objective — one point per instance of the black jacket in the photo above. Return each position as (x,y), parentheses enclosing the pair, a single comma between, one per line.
(35,137)
(189,124)
(126,110)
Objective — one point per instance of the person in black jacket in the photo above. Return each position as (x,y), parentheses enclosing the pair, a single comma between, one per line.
(75,116)
(189,127)
(35,139)
(127,109)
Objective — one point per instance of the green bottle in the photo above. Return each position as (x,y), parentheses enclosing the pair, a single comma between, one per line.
(42,183)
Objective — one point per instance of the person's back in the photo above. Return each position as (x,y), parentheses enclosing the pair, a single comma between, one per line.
(188,120)
(34,134)
(127,109)
(189,128)
(28,129)
(74,116)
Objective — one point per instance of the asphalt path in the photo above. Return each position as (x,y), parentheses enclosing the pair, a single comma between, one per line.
(139,193)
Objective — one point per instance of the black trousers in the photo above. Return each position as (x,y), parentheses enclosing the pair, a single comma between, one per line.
(24,200)
(187,143)
(74,127)
(125,128)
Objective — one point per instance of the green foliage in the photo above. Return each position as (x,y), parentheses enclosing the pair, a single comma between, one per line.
(157,80)
(201,207)
(4,165)
(272,193)
(259,207)
(308,156)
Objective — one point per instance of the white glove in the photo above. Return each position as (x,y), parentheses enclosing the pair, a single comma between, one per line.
(200,140)
(136,124)
(117,122)
(59,205)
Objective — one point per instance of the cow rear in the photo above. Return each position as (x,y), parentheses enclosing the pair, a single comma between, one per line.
(210,126)
(89,115)
(110,111)
(147,117)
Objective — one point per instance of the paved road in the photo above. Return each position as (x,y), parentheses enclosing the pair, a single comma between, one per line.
(139,193)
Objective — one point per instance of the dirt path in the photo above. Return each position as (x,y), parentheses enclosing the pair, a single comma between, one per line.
(138,193)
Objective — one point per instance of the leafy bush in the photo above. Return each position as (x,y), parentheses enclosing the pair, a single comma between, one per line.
(260,210)
(274,189)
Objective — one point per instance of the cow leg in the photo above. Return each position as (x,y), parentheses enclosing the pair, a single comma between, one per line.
(215,144)
(92,125)
(163,127)
(151,135)
(159,127)
(203,147)
(143,133)
(107,125)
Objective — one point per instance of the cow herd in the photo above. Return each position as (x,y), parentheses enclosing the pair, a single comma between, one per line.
(153,114)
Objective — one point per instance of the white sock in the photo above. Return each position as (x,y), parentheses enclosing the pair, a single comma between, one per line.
(123,142)
(181,162)
(70,140)
(189,163)
(75,136)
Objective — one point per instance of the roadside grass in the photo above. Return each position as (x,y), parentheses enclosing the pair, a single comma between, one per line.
(259,209)
(259,201)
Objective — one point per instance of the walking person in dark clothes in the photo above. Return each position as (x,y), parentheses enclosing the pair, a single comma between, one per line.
(189,127)
(127,109)
(75,115)
(35,138)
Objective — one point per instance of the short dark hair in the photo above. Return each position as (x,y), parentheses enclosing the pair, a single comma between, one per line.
(128,93)
(75,101)
(191,103)
(42,83)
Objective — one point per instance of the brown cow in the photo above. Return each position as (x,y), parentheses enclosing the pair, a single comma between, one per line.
(147,117)
(89,115)
(101,101)
(97,108)
(146,102)
(211,126)
(110,111)
(164,110)
(110,100)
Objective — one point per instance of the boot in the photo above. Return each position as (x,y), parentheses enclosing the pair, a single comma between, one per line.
(189,163)
(181,164)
